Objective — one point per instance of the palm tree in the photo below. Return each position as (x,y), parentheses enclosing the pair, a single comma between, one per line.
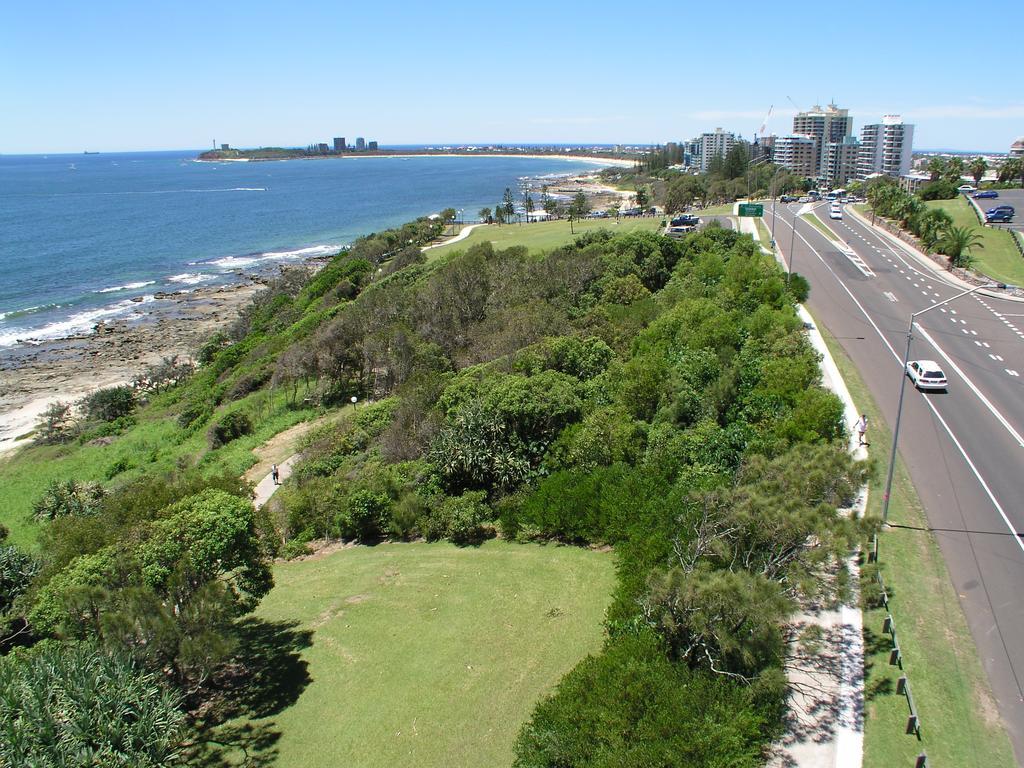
(977,168)
(937,168)
(957,243)
(1012,169)
(485,215)
(954,170)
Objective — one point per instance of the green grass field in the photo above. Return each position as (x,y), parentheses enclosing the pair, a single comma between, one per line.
(429,654)
(998,257)
(154,444)
(959,722)
(543,235)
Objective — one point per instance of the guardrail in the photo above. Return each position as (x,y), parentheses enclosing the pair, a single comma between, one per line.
(896,659)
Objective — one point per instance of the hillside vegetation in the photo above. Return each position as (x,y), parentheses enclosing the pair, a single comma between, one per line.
(651,395)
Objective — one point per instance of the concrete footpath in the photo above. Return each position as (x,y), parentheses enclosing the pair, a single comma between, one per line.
(266,487)
(825,723)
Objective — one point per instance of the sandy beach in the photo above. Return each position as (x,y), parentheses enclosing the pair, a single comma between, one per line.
(32,377)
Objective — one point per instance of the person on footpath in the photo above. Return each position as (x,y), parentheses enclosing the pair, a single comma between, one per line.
(862,430)
(275,475)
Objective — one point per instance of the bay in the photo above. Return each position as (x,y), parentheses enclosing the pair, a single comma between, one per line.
(81,236)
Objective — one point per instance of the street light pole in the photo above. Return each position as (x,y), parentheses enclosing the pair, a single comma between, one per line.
(792,239)
(903,387)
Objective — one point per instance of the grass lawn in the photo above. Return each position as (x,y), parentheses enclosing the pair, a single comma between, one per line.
(960,725)
(430,654)
(998,257)
(820,225)
(543,235)
(154,444)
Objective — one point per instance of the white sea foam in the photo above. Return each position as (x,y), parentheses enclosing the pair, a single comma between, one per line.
(126,287)
(81,322)
(190,278)
(229,263)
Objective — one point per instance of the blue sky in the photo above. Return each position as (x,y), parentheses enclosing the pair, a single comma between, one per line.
(139,75)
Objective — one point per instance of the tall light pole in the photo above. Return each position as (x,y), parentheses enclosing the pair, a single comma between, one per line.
(903,386)
(792,238)
(774,177)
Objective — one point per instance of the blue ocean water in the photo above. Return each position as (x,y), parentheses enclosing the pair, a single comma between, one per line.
(82,235)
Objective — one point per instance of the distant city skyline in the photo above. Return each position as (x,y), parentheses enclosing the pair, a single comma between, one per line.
(123,76)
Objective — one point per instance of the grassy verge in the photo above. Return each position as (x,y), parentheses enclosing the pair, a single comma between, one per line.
(155,444)
(998,257)
(430,654)
(960,723)
(764,234)
(543,235)
(820,225)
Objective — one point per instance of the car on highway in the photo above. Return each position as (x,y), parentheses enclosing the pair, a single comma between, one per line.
(984,194)
(835,213)
(788,199)
(926,374)
(804,199)
(999,217)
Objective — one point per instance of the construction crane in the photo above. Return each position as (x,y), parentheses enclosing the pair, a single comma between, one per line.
(764,123)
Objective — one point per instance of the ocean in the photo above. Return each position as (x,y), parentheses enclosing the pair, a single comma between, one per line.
(85,238)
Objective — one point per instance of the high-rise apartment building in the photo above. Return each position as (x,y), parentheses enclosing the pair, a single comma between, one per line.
(885,147)
(797,153)
(825,126)
(839,161)
(371,146)
(339,144)
(714,144)
(360,144)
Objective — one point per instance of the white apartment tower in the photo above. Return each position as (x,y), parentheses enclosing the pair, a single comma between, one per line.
(712,144)
(797,154)
(885,147)
(825,126)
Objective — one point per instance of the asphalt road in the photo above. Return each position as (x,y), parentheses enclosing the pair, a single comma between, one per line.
(964,448)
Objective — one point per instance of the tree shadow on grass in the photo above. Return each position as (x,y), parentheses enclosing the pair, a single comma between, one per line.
(269,677)
(875,685)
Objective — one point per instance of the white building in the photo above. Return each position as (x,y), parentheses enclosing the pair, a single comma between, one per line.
(797,153)
(825,126)
(1017,148)
(839,161)
(714,144)
(885,148)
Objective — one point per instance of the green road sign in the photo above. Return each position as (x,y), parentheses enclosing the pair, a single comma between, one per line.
(751,209)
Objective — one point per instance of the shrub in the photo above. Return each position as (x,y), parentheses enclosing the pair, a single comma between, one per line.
(68,497)
(230,426)
(630,707)
(56,425)
(17,569)
(119,466)
(71,705)
(109,404)
(367,515)
(459,519)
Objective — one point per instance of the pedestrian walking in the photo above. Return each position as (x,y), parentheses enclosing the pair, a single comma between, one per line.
(862,430)
(275,475)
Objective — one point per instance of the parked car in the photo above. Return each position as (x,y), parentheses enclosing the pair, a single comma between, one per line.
(999,217)
(685,220)
(985,193)
(926,374)
(1008,208)
(965,188)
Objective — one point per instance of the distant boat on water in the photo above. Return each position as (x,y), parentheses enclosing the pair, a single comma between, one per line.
(87,152)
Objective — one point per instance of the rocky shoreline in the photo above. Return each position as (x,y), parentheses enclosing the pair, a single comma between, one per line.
(34,376)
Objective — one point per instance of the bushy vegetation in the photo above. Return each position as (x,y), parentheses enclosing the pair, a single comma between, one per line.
(651,394)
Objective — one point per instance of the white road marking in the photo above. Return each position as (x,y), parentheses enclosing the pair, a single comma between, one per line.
(997,358)
(890,296)
(1012,372)
(988,404)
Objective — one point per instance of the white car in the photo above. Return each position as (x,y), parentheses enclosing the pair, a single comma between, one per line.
(926,374)
(835,211)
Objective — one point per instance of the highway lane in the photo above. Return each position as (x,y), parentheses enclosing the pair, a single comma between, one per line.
(966,464)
